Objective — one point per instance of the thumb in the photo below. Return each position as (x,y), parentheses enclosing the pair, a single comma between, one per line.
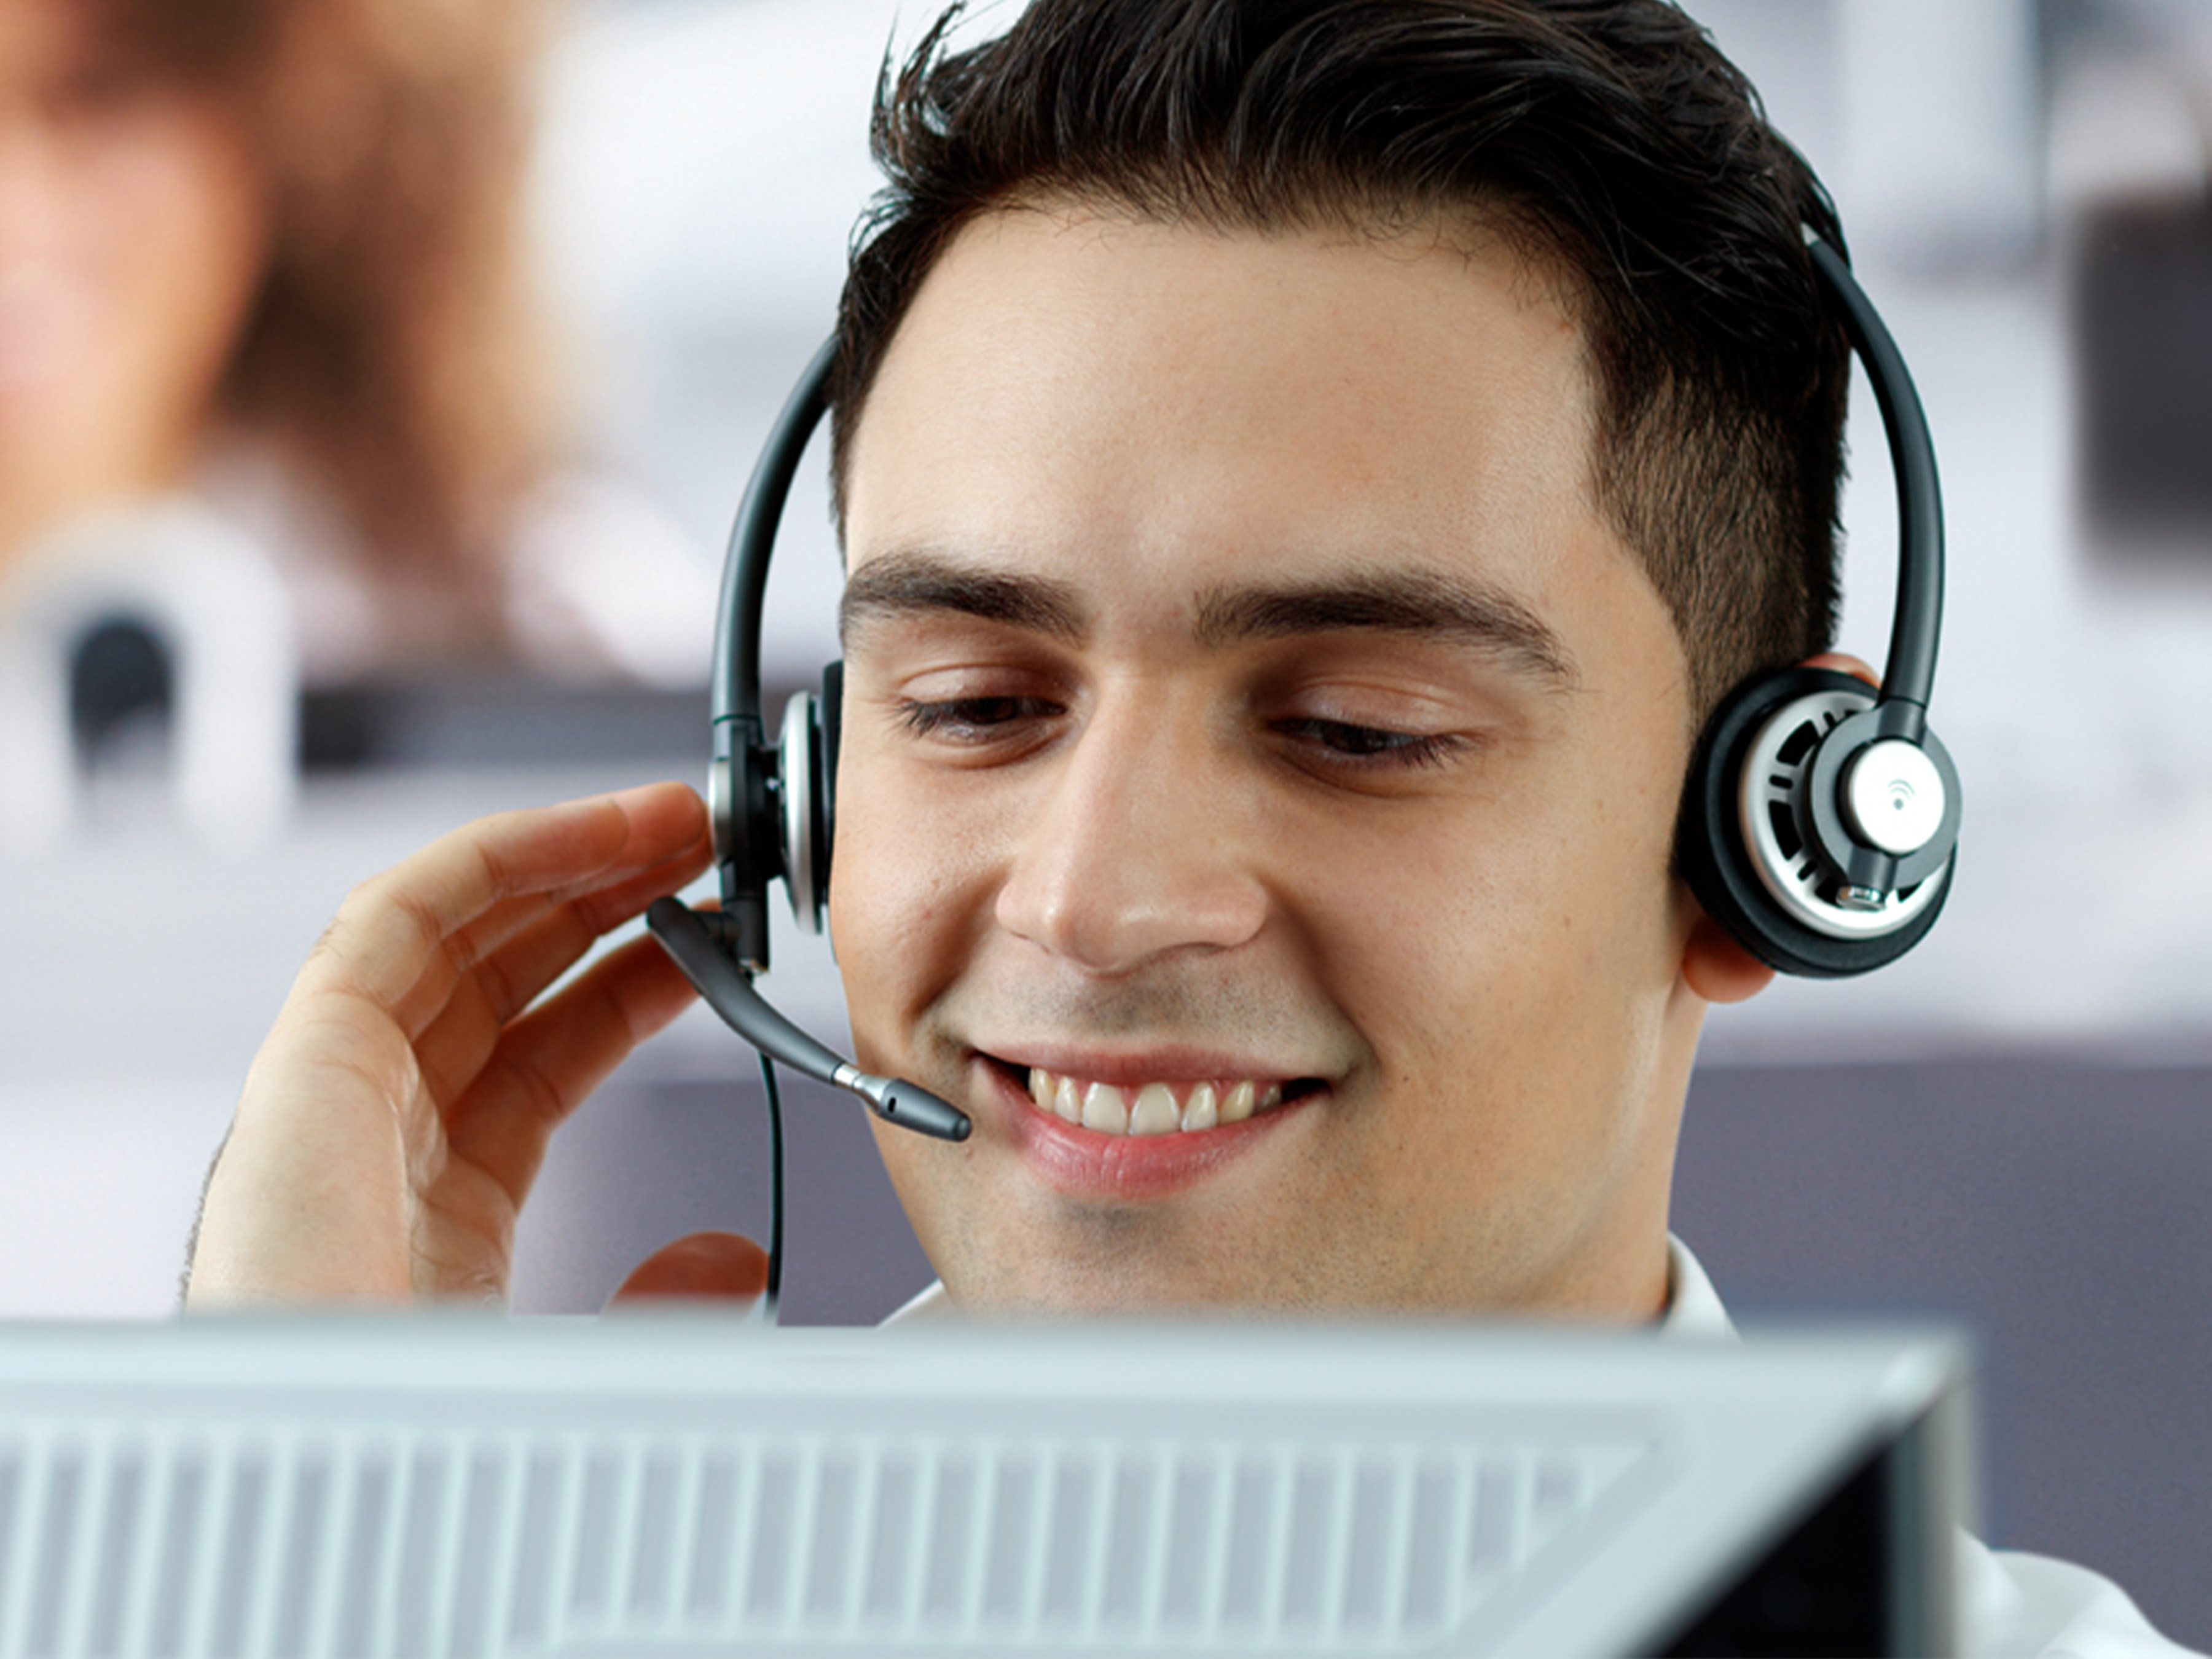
(714,1265)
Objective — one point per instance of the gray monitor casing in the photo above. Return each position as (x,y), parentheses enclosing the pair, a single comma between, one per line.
(666,1485)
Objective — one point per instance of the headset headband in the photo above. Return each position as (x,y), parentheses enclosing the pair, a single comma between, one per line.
(744,768)
(1917,626)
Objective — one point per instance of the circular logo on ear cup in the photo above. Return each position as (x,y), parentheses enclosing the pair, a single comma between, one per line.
(1773,785)
(1894,796)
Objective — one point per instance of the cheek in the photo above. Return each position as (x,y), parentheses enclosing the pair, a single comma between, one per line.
(1527,962)
(907,894)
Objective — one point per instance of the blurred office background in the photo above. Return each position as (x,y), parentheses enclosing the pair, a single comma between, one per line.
(2012,1128)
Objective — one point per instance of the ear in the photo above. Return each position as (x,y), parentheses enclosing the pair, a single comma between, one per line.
(1719,968)
(1844,663)
(1714,965)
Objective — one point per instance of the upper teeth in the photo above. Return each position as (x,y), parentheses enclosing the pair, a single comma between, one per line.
(1154,1108)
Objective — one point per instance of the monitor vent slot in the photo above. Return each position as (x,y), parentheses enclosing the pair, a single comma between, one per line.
(269,1538)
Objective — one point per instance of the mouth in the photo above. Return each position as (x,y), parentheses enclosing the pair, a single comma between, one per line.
(1134,1134)
(1160,1107)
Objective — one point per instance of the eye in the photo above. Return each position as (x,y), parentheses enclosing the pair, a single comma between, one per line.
(972,719)
(1371,746)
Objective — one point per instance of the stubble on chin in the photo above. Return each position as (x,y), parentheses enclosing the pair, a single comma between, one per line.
(1033,1253)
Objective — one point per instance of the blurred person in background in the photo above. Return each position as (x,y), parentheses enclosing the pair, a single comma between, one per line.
(270,256)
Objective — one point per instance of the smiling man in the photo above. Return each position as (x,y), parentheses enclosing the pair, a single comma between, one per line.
(1308,470)
(1299,508)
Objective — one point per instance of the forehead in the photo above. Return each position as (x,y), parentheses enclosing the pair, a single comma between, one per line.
(1084,392)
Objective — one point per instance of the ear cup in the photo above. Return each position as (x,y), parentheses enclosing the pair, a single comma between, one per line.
(830,714)
(1746,844)
(806,775)
(799,794)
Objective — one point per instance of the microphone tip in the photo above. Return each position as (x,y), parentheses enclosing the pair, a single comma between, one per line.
(913,1107)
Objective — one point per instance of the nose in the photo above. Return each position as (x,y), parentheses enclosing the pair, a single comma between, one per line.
(1131,853)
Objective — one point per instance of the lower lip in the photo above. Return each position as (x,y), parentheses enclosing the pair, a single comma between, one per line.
(1085,1164)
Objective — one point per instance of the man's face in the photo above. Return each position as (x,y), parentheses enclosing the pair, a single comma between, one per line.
(1249,718)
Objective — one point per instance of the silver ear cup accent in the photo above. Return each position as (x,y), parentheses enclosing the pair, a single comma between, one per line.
(797,764)
(722,807)
(1770,798)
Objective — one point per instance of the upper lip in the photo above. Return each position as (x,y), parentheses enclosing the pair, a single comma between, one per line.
(1157,1063)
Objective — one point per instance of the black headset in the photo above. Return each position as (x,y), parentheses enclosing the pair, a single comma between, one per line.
(1820,818)
(774,805)
(1818,825)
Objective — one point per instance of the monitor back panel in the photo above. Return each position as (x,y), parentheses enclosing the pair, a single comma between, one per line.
(425,1487)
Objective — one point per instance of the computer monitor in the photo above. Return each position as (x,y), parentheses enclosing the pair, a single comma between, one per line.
(663,1485)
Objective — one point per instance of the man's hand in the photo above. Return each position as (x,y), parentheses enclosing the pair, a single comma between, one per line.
(395,1118)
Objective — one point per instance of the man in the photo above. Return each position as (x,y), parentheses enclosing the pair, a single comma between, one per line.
(1307,471)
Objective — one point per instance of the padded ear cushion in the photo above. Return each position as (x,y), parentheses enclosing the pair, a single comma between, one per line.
(1711,856)
(830,712)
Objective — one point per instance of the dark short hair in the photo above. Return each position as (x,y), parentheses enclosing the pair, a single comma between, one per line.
(1610,139)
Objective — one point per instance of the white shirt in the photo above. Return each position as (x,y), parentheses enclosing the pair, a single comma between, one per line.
(2011,1605)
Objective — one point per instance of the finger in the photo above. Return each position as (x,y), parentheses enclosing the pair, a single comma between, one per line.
(668,833)
(459,956)
(724,1267)
(475,1008)
(395,928)
(604,900)
(522,945)
(549,1060)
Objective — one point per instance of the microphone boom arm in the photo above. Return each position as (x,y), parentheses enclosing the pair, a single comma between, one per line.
(688,938)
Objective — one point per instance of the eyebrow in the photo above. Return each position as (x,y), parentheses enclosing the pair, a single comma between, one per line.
(1420,604)
(916,583)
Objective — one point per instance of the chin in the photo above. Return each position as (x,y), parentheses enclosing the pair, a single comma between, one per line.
(1123,1285)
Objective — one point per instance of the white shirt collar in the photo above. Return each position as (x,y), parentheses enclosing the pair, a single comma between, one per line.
(930,1303)
(1694,1306)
